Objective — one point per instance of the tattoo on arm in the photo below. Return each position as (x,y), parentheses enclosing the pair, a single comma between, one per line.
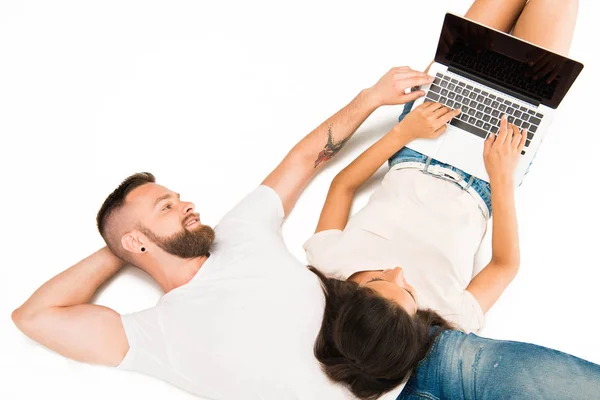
(331,148)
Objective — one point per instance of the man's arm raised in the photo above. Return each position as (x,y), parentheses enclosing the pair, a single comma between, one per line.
(311,153)
(58,315)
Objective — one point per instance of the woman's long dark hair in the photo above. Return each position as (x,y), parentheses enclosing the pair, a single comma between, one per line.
(368,343)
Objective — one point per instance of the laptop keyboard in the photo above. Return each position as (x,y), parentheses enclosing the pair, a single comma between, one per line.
(481,111)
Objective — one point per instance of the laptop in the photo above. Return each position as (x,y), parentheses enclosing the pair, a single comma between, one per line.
(488,73)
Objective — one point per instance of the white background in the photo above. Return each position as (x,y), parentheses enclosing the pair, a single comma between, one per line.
(209,96)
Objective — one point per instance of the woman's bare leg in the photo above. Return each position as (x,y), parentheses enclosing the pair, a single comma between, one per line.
(498,14)
(548,23)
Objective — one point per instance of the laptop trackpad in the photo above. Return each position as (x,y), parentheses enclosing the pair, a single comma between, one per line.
(464,151)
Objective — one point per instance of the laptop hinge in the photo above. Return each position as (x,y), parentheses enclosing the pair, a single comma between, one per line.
(499,88)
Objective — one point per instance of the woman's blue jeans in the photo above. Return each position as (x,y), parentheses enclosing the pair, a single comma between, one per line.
(460,366)
(408,155)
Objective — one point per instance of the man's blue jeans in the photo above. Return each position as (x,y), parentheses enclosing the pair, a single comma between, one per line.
(460,366)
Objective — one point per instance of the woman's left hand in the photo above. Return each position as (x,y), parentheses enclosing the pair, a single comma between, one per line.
(427,121)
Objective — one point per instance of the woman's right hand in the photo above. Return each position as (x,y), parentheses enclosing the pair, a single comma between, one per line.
(427,121)
(501,153)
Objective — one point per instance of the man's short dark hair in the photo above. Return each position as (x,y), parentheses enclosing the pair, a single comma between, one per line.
(113,203)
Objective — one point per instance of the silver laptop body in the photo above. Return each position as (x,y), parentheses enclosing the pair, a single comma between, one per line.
(488,73)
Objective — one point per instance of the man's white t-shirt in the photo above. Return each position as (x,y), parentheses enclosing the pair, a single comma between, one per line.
(244,327)
(428,226)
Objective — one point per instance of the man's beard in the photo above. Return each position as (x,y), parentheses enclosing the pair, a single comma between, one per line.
(185,244)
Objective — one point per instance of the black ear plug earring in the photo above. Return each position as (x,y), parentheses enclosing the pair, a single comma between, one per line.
(143,249)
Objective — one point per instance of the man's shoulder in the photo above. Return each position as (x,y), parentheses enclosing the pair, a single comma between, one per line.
(262,205)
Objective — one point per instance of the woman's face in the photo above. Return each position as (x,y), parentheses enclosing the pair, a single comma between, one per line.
(389,283)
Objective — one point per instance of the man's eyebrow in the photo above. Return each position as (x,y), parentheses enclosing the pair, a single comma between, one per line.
(164,197)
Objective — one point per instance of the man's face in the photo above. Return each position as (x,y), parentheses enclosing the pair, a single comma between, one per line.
(170,223)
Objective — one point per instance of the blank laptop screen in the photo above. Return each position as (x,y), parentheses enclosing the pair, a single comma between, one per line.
(503,60)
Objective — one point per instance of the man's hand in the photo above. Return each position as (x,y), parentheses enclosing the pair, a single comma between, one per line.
(501,154)
(428,121)
(310,154)
(391,88)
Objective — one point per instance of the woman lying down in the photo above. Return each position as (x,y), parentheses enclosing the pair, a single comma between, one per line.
(401,303)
